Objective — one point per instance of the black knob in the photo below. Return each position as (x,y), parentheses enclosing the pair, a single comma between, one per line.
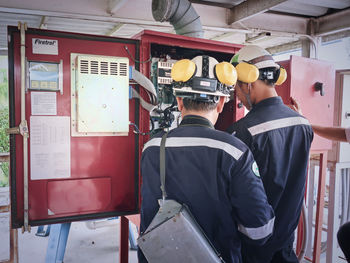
(319,87)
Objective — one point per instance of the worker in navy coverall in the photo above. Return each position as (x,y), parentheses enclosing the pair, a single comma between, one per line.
(280,140)
(211,172)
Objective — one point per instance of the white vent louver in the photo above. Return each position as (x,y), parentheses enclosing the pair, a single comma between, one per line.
(101,104)
(103,68)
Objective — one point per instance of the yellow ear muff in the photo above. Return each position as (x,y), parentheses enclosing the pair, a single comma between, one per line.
(282,77)
(247,73)
(226,73)
(183,70)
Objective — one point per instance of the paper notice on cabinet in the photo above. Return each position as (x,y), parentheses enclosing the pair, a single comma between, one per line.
(43,103)
(49,147)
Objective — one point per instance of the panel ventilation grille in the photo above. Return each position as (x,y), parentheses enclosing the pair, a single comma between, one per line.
(84,66)
(103,68)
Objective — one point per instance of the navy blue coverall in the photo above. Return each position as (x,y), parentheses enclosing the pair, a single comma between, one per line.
(215,175)
(280,140)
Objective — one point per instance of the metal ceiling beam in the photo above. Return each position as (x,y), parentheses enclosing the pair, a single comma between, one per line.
(285,47)
(259,37)
(115,29)
(336,36)
(333,23)
(250,8)
(222,36)
(108,19)
(210,3)
(298,44)
(337,4)
(284,24)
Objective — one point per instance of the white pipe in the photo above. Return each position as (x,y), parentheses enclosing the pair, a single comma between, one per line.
(115,5)
(24,128)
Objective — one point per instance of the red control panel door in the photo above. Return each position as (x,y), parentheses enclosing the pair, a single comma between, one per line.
(83,156)
(311,82)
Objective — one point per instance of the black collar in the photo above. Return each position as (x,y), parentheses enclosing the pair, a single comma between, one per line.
(195,120)
(267,102)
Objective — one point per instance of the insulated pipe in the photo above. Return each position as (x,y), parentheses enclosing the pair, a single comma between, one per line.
(180,14)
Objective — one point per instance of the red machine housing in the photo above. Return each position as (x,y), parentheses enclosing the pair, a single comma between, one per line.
(104,174)
(311,82)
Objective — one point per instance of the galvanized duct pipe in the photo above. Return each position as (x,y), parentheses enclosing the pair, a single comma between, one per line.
(181,14)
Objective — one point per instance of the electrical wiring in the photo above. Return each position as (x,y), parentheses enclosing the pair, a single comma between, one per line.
(135,60)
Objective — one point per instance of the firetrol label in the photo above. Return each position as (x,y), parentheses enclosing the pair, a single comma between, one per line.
(45,46)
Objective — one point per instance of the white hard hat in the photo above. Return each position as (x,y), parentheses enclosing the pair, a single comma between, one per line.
(255,55)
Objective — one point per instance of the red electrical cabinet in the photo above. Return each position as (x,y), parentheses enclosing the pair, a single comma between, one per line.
(311,82)
(75,171)
(83,157)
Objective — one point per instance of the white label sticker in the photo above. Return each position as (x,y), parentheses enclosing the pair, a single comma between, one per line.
(49,147)
(43,103)
(45,46)
(205,83)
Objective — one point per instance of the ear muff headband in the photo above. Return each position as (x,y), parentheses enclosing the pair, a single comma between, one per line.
(247,73)
(282,76)
(183,70)
(226,73)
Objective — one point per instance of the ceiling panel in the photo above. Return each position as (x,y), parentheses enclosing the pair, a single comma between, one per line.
(92,17)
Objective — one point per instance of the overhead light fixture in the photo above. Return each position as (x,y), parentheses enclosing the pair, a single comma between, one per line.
(259,37)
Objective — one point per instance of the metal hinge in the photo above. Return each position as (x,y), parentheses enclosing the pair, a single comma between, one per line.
(21,129)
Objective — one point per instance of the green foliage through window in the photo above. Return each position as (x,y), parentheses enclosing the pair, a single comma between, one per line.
(4,124)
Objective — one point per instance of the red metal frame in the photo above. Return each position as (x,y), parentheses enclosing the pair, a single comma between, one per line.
(107,166)
(116,156)
(231,111)
(320,206)
(303,73)
(124,240)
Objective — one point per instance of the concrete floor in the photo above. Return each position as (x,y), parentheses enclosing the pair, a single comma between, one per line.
(83,245)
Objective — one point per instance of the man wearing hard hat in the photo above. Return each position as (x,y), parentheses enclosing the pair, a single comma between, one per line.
(280,140)
(211,172)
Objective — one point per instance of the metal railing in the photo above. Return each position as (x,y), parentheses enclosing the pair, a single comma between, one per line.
(5,158)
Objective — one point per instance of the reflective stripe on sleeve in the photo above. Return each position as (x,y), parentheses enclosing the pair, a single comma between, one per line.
(195,141)
(276,124)
(258,232)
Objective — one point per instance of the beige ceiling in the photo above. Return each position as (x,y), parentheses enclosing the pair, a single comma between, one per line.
(274,24)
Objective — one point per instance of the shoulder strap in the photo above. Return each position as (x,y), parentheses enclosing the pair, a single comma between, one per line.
(162,165)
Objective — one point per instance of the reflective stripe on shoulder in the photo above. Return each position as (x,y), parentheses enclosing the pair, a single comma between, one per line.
(276,124)
(258,232)
(195,141)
